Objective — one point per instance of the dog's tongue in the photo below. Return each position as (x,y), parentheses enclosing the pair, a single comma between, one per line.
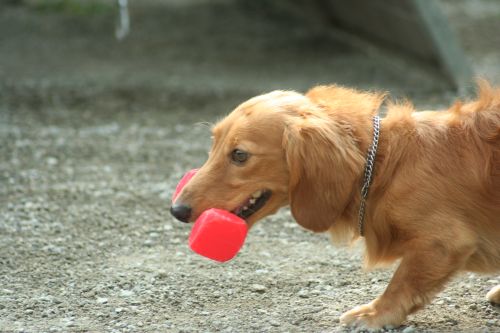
(184,180)
(218,235)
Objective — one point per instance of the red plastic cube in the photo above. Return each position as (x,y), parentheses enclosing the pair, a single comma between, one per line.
(218,234)
(184,180)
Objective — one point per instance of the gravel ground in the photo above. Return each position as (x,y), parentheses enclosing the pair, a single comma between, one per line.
(94,135)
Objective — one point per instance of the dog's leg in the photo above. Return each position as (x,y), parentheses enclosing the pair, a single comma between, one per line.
(421,274)
(494,295)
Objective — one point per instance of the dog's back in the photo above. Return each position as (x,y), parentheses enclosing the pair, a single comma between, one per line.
(483,123)
(454,156)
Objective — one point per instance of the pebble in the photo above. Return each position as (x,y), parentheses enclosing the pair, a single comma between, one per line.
(161,273)
(51,161)
(261,271)
(255,325)
(154,235)
(275,323)
(409,329)
(303,293)
(258,288)
(102,300)
(452,322)
(492,322)
(69,322)
(52,249)
(126,293)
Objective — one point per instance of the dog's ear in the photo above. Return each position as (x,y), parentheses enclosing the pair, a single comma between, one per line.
(324,162)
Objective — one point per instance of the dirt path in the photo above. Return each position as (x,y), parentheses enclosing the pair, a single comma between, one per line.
(94,134)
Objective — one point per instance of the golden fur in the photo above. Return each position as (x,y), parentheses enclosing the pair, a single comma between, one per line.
(435,198)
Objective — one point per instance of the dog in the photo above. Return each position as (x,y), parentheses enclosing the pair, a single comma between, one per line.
(431,193)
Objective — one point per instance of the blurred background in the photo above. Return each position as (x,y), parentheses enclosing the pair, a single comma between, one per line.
(98,123)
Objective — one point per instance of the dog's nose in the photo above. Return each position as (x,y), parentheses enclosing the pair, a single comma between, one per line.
(181,212)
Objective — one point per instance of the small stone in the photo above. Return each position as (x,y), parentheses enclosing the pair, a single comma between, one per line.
(299,320)
(119,310)
(303,293)
(452,322)
(161,274)
(69,322)
(154,235)
(258,288)
(102,300)
(409,329)
(51,161)
(492,322)
(274,323)
(175,241)
(126,293)
(255,325)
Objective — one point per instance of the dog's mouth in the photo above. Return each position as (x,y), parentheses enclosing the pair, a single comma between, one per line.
(255,202)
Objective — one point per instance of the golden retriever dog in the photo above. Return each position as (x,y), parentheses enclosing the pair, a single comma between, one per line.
(433,201)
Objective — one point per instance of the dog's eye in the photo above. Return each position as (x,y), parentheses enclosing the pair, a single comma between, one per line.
(239,156)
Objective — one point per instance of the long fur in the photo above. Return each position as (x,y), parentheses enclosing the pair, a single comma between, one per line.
(434,202)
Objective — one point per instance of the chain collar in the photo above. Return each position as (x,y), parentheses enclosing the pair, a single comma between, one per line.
(369,167)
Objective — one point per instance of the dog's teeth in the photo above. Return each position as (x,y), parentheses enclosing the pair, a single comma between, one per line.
(245,207)
(252,201)
(257,194)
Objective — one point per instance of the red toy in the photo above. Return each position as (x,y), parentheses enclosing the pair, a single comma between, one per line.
(187,177)
(217,234)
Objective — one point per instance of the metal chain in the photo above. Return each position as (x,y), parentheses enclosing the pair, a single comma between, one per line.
(370,164)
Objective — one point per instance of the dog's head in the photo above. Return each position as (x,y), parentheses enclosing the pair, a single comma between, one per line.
(276,149)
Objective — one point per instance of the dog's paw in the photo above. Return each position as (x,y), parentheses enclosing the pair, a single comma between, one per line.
(368,317)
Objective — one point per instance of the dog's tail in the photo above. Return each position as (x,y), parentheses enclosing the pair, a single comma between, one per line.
(481,116)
